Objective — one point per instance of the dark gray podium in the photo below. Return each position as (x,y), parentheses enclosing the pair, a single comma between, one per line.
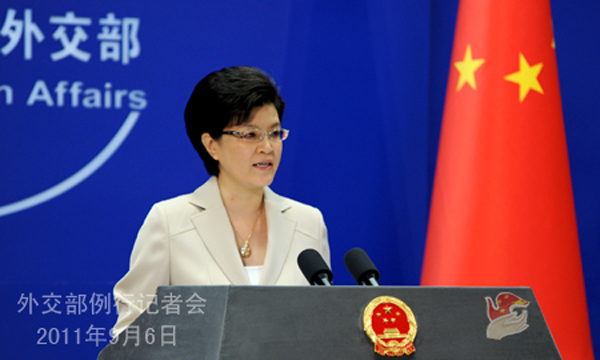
(246,322)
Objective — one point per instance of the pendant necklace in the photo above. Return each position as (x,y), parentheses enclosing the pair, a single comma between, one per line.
(245,250)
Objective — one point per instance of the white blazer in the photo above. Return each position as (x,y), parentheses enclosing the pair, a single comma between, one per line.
(188,240)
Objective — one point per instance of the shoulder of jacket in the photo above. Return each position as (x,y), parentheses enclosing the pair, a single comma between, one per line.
(176,212)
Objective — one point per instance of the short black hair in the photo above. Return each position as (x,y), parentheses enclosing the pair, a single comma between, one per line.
(227,97)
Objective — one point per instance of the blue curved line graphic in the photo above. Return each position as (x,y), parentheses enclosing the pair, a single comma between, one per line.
(79,176)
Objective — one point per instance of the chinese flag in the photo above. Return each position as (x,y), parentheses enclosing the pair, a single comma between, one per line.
(502,211)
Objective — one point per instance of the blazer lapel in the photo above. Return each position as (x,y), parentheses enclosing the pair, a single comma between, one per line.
(215,231)
(281,232)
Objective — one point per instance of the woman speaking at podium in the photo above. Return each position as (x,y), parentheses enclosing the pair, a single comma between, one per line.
(233,229)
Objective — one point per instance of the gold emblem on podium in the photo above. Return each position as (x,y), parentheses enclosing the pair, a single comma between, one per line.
(391,326)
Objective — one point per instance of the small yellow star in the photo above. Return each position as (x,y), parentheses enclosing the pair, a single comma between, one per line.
(394,320)
(467,68)
(385,320)
(526,77)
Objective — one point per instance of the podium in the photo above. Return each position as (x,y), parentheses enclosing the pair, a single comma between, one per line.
(279,322)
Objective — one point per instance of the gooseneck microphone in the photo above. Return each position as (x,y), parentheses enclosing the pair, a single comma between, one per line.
(314,268)
(361,267)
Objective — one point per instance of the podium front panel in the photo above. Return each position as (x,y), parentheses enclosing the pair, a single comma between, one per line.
(254,322)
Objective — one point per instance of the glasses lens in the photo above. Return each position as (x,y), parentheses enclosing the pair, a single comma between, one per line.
(275,134)
(278,134)
(253,135)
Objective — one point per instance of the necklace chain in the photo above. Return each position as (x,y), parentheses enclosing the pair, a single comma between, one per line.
(246,250)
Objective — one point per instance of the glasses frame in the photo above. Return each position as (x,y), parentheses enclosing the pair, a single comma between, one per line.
(270,135)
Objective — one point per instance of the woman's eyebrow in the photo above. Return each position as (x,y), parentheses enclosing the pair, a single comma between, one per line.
(252,126)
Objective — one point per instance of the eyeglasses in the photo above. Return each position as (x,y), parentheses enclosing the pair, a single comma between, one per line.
(256,135)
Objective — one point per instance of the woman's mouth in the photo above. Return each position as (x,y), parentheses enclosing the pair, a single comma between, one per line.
(263,164)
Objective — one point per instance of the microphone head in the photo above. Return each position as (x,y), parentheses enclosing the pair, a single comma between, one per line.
(360,266)
(314,267)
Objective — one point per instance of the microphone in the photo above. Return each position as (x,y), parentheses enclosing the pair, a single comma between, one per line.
(314,268)
(361,267)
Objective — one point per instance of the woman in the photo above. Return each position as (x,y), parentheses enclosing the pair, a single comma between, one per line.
(233,229)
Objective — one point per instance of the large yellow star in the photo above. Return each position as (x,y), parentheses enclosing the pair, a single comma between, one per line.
(467,68)
(526,77)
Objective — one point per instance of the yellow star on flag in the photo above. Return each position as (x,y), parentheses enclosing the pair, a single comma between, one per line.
(526,77)
(467,68)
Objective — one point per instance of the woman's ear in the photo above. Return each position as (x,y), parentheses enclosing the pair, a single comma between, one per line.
(209,144)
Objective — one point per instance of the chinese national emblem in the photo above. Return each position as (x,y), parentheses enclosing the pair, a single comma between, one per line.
(391,325)
(504,319)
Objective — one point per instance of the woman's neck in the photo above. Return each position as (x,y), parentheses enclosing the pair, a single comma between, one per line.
(239,201)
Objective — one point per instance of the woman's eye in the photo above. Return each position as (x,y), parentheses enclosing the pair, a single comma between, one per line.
(276,134)
(251,134)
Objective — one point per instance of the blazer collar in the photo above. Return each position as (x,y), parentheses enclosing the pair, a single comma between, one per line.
(281,230)
(214,229)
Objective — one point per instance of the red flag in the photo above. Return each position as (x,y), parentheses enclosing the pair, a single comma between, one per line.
(502,211)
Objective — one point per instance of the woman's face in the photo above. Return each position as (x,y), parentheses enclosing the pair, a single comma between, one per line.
(245,164)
